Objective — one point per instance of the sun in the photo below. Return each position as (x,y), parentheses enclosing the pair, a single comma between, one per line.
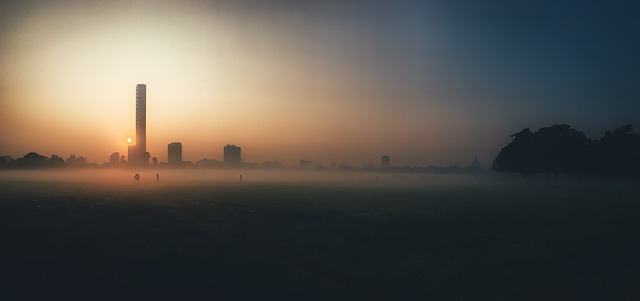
(129,140)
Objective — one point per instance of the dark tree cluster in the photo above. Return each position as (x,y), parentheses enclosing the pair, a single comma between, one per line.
(561,149)
(31,160)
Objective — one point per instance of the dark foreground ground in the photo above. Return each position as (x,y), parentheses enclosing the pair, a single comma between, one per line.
(511,240)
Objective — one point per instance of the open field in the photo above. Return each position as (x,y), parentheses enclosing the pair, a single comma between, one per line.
(323,236)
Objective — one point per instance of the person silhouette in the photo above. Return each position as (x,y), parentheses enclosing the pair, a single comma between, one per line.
(157,178)
(137,177)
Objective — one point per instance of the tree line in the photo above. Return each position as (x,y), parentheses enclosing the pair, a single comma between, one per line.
(562,149)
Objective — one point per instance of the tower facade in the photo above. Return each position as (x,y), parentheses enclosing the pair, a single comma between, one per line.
(138,154)
(232,155)
(174,153)
(141,120)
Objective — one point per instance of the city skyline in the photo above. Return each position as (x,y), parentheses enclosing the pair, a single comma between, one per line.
(427,82)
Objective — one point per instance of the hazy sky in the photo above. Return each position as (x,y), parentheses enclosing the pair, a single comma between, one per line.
(426,82)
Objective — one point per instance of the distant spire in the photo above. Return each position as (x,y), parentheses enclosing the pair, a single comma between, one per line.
(476,162)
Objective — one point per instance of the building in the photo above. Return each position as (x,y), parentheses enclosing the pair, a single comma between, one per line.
(138,154)
(141,121)
(305,164)
(174,153)
(386,161)
(476,163)
(132,154)
(272,165)
(209,163)
(76,161)
(114,159)
(232,155)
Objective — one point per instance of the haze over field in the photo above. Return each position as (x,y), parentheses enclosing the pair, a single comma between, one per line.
(427,82)
(119,178)
(282,236)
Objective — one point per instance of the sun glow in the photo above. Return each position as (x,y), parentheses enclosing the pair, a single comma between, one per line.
(211,81)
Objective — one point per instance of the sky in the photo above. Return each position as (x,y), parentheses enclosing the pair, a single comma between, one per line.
(426,82)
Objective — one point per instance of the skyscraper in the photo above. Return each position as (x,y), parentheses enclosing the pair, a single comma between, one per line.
(138,153)
(386,161)
(141,122)
(174,153)
(232,155)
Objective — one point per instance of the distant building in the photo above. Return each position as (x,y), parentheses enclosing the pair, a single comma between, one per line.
(174,153)
(232,155)
(114,159)
(209,163)
(132,154)
(476,163)
(138,154)
(345,166)
(305,164)
(272,165)
(56,160)
(386,161)
(76,161)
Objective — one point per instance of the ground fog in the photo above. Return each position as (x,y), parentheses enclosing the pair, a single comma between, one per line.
(294,235)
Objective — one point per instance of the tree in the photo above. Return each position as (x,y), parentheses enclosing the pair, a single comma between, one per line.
(561,149)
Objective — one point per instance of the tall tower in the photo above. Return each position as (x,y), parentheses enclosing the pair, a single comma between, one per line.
(141,121)
(138,153)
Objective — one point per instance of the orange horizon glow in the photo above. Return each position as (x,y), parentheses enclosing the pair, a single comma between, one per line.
(69,81)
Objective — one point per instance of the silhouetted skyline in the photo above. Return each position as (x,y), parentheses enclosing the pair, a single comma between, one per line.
(427,82)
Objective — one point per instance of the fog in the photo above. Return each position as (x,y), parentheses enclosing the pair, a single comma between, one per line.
(334,235)
(119,177)
(122,181)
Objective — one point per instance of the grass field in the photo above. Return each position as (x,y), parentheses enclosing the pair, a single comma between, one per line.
(324,236)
